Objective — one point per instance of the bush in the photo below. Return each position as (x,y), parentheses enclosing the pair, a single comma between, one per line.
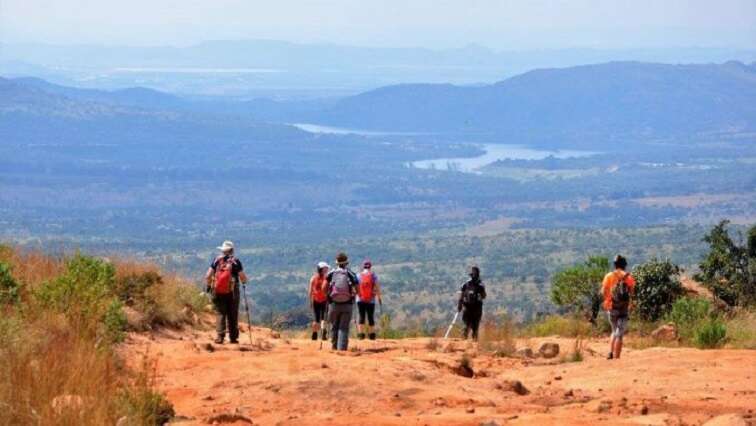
(741,330)
(115,322)
(687,314)
(9,288)
(710,334)
(578,287)
(498,336)
(657,287)
(557,325)
(729,268)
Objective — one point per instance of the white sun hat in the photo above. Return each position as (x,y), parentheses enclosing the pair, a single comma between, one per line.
(226,246)
(322,265)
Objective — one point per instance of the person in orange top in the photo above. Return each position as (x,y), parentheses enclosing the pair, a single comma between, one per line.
(318,297)
(618,289)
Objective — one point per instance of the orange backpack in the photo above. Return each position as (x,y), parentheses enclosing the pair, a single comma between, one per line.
(367,287)
(224,283)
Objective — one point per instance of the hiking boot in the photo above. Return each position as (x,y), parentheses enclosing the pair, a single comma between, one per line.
(371,336)
(325,335)
(314,335)
(610,356)
(234,341)
(361,336)
(218,341)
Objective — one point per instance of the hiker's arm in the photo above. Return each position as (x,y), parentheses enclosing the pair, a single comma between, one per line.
(243,277)
(209,276)
(459,302)
(482,292)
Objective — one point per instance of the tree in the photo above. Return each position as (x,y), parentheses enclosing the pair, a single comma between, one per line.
(729,269)
(578,287)
(657,287)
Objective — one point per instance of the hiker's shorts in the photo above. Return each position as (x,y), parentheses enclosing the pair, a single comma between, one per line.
(319,309)
(366,309)
(619,325)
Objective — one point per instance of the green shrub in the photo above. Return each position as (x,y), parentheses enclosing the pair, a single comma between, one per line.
(578,287)
(657,287)
(710,334)
(729,269)
(8,286)
(687,314)
(114,321)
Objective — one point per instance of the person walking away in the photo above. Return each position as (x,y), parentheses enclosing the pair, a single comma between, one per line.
(223,278)
(342,284)
(618,288)
(318,297)
(471,297)
(367,291)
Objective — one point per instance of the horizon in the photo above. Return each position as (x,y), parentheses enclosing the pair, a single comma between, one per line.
(497,25)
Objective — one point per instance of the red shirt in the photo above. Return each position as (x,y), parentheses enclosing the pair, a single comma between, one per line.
(318,287)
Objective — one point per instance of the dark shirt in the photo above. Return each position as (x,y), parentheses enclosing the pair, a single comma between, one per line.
(471,294)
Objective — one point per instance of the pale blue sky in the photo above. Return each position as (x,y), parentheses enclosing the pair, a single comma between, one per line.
(430,23)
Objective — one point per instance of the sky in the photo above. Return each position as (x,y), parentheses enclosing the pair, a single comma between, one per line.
(498,24)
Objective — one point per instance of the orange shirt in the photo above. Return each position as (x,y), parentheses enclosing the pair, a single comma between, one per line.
(610,280)
(318,286)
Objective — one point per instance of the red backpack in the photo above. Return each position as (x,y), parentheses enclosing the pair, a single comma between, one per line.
(224,284)
(367,287)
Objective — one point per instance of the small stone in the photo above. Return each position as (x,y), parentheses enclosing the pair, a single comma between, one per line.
(644,410)
(515,386)
(666,332)
(525,353)
(569,394)
(558,378)
(470,410)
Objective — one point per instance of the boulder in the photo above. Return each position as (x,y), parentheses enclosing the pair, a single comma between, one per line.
(515,386)
(666,332)
(549,350)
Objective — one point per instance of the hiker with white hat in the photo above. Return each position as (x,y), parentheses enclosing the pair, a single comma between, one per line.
(223,278)
(317,294)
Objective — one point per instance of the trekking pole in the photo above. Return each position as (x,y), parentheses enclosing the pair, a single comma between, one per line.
(454,321)
(246,308)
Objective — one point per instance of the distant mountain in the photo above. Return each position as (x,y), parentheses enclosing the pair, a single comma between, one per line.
(35,111)
(584,103)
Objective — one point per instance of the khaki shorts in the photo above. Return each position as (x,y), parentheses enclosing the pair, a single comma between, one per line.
(619,325)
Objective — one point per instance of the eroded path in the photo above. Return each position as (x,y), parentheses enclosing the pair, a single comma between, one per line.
(280,381)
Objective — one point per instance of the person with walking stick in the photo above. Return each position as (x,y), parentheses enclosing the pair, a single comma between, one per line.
(223,278)
(470,303)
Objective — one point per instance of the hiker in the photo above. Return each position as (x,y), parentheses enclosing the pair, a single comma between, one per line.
(367,291)
(318,296)
(223,278)
(471,298)
(342,284)
(617,289)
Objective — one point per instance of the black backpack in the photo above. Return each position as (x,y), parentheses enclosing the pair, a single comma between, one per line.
(470,295)
(621,298)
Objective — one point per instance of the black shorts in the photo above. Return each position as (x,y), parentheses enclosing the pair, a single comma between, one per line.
(319,308)
(366,309)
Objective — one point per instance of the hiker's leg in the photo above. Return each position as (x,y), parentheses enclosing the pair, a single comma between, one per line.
(344,318)
(220,316)
(467,322)
(233,315)
(361,310)
(333,317)
(370,310)
(477,315)
(621,329)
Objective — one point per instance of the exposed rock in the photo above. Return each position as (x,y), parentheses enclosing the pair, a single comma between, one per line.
(65,402)
(666,332)
(727,420)
(549,350)
(228,418)
(515,386)
(470,410)
(135,320)
(525,353)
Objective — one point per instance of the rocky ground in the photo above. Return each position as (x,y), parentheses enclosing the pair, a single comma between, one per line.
(278,380)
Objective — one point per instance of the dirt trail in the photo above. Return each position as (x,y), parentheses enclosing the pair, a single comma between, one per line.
(280,381)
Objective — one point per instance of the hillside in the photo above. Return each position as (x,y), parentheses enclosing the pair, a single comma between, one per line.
(289,381)
(590,103)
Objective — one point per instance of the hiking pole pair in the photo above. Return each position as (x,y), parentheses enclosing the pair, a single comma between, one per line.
(246,308)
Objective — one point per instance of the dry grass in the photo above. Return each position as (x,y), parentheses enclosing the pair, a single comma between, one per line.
(54,370)
(498,337)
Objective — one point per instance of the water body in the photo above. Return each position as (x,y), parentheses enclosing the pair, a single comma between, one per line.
(317,128)
(494,153)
